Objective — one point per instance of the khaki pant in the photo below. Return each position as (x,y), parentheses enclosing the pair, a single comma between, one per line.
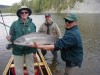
(71,71)
(19,62)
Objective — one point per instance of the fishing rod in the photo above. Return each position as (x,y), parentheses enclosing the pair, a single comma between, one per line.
(4,22)
(9,46)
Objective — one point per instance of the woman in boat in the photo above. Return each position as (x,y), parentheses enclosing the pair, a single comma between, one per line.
(22,54)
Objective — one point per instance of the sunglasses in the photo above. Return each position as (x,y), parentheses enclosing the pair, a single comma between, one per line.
(68,21)
(23,12)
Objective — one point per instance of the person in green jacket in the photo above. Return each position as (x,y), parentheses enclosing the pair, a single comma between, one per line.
(22,54)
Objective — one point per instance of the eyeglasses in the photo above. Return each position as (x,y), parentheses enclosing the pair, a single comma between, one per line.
(68,21)
(23,12)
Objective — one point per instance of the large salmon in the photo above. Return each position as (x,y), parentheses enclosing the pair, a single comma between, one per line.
(40,38)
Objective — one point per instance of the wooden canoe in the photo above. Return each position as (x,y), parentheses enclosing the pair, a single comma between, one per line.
(40,66)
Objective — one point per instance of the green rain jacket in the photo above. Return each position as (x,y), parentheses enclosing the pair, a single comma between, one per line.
(18,29)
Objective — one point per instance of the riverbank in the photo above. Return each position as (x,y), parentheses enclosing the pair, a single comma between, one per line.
(87,6)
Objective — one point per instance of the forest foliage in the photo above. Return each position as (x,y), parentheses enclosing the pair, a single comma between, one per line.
(38,6)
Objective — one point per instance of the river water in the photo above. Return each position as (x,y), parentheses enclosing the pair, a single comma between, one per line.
(89,25)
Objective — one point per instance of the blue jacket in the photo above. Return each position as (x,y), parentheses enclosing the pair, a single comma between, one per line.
(71,47)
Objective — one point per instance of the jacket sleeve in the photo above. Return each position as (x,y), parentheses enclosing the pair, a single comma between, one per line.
(65,42)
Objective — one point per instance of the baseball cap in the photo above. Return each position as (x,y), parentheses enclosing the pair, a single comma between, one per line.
(47,15)
(71,17)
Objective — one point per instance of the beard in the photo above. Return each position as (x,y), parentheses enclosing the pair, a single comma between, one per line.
(48,22)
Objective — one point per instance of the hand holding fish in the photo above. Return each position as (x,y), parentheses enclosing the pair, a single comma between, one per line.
(35,45)
(41,46)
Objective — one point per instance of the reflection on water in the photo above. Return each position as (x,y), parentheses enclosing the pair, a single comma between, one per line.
(89,25)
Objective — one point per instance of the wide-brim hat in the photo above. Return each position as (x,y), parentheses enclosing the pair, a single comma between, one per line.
(23,8)
(71,17)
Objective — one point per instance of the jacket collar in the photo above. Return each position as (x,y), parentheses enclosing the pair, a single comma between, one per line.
(28,20)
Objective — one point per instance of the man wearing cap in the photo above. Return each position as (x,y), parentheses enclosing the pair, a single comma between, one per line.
(50,28)
(70,45)
(22,54)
